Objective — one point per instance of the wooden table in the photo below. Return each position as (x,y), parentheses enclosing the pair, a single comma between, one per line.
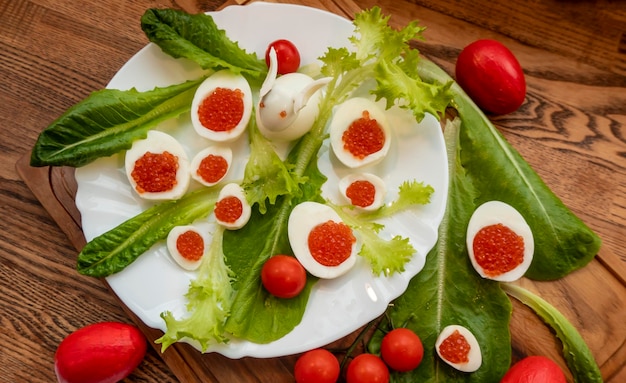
(572,130)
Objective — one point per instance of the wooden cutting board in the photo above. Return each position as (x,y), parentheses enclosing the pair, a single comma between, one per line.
(594,298)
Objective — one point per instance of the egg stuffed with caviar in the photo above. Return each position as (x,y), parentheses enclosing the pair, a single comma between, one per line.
(210,165)
(320,240)
(359,133)
(222,106)
(157,167)
(186,245)
(458,347)
(232,209)
(364,191)
(499,242)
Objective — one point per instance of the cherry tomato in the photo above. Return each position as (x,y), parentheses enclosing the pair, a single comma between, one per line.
(287,55)
(402,350)
(491,75)
(283,276)
(317,366)
(534,369)
(367,368)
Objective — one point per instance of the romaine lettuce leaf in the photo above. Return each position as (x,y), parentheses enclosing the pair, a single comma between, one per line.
(107,122)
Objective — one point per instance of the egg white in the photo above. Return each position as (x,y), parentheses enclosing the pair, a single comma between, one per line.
(379,186)
(157,142)
(216,150)
(172,237)
(235,190)
(228,80)
(343,116)
(492,213)
(303,218)
(475,355)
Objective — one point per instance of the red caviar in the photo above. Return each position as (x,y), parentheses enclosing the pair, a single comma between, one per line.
(228,209)
(155,172)
(363,137)
(498,249)
(331,243)
(361,193)
(212,168)
(455,348)
(190,245)
(222,110)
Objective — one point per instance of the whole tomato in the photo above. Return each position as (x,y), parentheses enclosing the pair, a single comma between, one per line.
(367,368)
(534,369)
(283,276)
(491,75)
(402,350)
(287,55)
(316,366)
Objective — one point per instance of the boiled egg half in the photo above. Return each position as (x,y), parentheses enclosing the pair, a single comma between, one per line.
(157,167)
(186,245)
(458,347)
(364,191)
(359,133)
(222,106)
(323,244)
(499,242)
(210,165)
(232,209)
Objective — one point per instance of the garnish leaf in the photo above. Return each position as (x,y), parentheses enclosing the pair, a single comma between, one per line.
(107,122)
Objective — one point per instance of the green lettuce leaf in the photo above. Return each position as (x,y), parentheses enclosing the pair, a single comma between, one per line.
(112,251)
(563,243)
(197,38)
(107,122)
(449,291)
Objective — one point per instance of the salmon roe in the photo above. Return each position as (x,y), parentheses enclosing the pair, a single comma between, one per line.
(455,348)
(330,243)
(155,172)
(498,249)
(212,168)
(361,193)
(190,245)
(222,110)
(228,209)
(363,137)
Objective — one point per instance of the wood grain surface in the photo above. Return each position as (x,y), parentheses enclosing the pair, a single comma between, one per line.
(571,129)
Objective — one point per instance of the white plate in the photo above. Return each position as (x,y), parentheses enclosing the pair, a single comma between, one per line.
(154,283)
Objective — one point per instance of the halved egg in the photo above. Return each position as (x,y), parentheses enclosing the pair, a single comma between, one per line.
(499,242)
(323,244)
(458,347)
(222,106)
(210,165)
(232,209)
(157,167)
(359,133)
(186,244)
(365,191)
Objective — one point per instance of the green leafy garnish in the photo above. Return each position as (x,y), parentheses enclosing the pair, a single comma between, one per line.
(107,122)
(579,358)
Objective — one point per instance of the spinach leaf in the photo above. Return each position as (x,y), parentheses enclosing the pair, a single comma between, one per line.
(563,243)
(449,291)
(107,122)
(197,38)
(112,251)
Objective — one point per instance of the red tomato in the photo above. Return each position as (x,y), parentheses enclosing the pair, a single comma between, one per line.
(402,349)
(534,369)
(367,368)
(287,55)
(283,276)
(491,75)
(317,366)
(105,352)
